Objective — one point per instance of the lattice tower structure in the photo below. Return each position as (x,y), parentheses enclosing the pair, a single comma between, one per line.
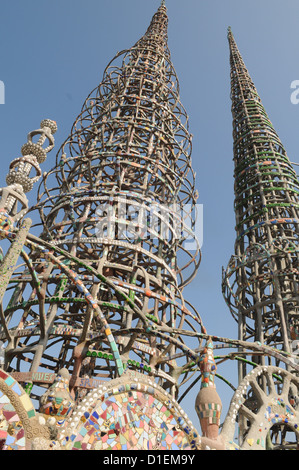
(260,284)
(116,210)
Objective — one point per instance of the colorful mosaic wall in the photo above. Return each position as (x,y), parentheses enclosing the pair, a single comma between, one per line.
(130,414)
(16,413)
(12,434)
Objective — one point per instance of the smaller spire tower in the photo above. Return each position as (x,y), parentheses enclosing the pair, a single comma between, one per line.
(260,284)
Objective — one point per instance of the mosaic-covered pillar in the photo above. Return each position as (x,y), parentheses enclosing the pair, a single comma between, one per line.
(208,403)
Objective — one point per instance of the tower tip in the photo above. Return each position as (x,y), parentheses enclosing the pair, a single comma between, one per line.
(230,36)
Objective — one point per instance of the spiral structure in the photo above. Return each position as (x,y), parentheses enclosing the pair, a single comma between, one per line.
(14,203)
(260,283)
(118,217)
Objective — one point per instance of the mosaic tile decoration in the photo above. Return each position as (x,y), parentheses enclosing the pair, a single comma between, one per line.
(272,409)
(130,414)
(12,434)
(57,400)
(211,411)
(208,365)
(16,410)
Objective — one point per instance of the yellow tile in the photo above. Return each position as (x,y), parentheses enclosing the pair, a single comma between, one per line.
(26,402)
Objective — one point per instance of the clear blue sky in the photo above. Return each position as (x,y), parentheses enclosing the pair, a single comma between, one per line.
(53,54)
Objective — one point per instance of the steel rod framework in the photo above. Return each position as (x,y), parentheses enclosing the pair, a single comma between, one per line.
(92,306)
(260,283)
(117,211)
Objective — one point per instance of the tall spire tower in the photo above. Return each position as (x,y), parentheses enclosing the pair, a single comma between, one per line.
(110,265)
(261,282)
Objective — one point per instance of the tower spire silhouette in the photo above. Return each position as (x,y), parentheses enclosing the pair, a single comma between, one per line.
(260,284)
(113,211)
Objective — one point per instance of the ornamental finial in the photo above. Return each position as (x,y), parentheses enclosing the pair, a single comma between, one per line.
(208,404)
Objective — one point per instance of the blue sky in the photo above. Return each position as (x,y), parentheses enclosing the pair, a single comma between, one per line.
(53,54)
